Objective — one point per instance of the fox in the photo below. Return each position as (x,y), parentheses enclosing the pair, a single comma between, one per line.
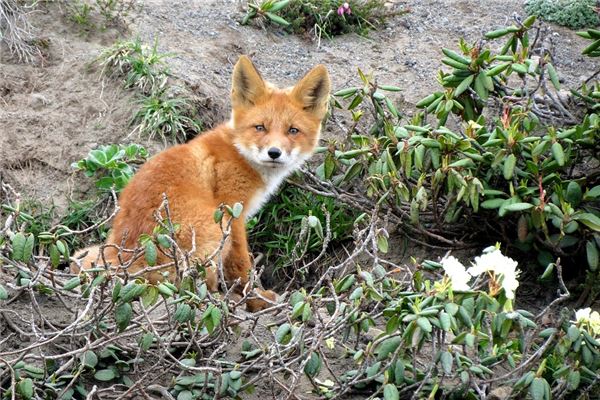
(270,134)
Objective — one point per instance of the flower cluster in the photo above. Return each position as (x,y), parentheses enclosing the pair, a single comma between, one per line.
(344,9)
(502,271)
(588,319)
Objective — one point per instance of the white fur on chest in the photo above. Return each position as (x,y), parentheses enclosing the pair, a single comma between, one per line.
(272,177)
(262,195)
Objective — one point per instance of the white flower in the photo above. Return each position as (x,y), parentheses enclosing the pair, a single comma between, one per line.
(457,273)
(583,315)
(589,318)
(504,270)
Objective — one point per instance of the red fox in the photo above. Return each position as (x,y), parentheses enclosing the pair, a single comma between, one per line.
(270,134)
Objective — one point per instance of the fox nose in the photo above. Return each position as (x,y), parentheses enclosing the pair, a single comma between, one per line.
(274,153)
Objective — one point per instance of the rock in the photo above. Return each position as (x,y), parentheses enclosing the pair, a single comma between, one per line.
(37,101)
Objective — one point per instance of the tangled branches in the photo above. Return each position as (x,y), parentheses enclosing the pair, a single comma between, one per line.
(16,31)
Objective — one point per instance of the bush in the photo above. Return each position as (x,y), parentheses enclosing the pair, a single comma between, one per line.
(514,175)
(575,14)
(86,13)
(113,165)
(321,18)
(141,66)
(295,227)
(165,116)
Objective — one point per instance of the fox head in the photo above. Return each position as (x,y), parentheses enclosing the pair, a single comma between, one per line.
(276,130)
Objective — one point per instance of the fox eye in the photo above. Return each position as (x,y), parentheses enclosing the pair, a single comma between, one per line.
(260,128)
(293,131)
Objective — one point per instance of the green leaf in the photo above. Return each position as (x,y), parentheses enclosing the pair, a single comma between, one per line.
(390,88)
(279,5)
(553,76)
(150,296)
(518,206)
(492,203)
(537,389)
(123,315)
(89,359)
(446,360)
(497,33)
(25,388)
(573,333)
(72,283)
(387,347)
(184,313)
(591,251)
(509,166)
(574,194)
(589,219)
(313,366)
(382,243)
(18,246)
(558,153)
(54,255)
(424,324)
(445,321)
(390,392)
(237,210)
(105,375)
(282,333)
(464,85)
(185,395)
(146,341)
(573,380)
(593,193)
(151,252)
(3,293)
(276,18)
(497,69)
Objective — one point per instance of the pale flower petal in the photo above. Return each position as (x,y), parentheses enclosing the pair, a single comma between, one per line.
(503,268)
(457,273)
(583,315)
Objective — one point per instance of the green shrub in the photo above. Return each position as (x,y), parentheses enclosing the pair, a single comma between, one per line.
(321,18)
(113,165)
(86,13)
(165,116)
(291,229)
(511,173)
(574,14)
(142,66)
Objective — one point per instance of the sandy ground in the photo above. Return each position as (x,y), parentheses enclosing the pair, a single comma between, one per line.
(54,113)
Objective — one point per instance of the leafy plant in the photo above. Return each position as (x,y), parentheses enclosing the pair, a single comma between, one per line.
(574,14)
(142,66)
(113,12)
(113,165)
(291,228)
(511,172)
(321,18)
(162,115)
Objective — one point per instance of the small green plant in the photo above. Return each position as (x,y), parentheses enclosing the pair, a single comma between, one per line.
(79,13)
(85,12)
(142,66)
(163,115)
(291,228)
(318,18)
(113,165)
(575,14)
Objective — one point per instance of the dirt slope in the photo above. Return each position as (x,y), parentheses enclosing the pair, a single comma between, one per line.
(53,113)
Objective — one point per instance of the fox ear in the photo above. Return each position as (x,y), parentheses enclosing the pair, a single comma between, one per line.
(313,91)
(248,86)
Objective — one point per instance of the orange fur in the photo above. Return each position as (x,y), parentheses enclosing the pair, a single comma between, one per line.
(228,164)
